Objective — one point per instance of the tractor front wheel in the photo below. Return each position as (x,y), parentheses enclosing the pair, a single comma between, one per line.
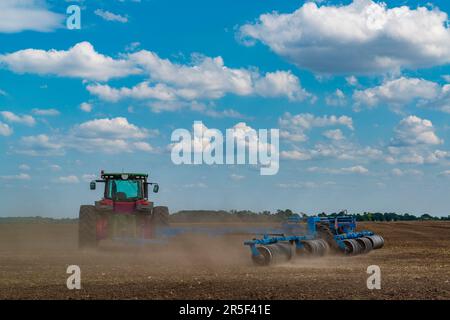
(87,227)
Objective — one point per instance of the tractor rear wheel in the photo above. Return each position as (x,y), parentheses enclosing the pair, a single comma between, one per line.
(160,216)
(87,227)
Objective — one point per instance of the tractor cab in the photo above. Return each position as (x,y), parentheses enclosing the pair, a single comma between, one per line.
(125,186)
(124,192)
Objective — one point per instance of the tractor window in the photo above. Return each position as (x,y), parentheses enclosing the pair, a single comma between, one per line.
(124,190)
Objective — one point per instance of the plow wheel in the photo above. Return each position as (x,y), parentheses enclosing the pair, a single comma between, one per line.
(377,241)
(324,247)
(352,247)
(310,247)
(264,258)
(365,243)
(87,227)
(325,233)
(160,216)
(315,247)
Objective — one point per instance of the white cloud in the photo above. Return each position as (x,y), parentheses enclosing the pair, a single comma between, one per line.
(21,15)
(352,81)
(298,185)
(295,155)
(446,77)
(109,16)
(55,167)
(412,131)
(24,167)
(13,118)
(336,99)
(115,135)
(71,179)
(114,128)
(397,93)
(203,78)
(280,84)
(207,78)
(5,130)
(88,177)
(80,61)
(334,149)
(410,172)
(86,107)
(20,176)
(143,146)
(132,46)
(46,112)
(40,145)
(195,185)
(413,143)
(236,177)
(293,127)
(415,155)
(354,169)
(361,37)
(445,173)
(334,134)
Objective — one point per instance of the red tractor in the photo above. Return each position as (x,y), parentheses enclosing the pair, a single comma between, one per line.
(124,212)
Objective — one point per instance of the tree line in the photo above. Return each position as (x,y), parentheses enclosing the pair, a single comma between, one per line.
(280,215)
(248,216)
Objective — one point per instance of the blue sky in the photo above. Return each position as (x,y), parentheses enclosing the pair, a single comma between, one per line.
(359,90)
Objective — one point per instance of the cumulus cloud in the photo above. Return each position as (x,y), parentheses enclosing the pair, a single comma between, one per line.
(40,145)
(5,130)
(359,38)
(336,99)
(334,134)
(33,15)
(71,179)
(296,155)
(445,173)
(408,172)
(109,16)
(206,78)
(14,118)
(412,131)
(80,61)
(352,80)
(107,135)
(414,141)
(347,170)
(86,107)
(115,128)
(293,127)
(20,176)
(24,167)
(88,177)
(202,78)
(398,93)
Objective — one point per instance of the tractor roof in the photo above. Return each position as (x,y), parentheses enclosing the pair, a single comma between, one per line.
(122,175)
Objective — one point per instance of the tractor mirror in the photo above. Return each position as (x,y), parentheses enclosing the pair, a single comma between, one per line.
(155,188)
(92,185)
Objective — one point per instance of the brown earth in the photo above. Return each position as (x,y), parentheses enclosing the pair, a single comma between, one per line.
(415,264)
